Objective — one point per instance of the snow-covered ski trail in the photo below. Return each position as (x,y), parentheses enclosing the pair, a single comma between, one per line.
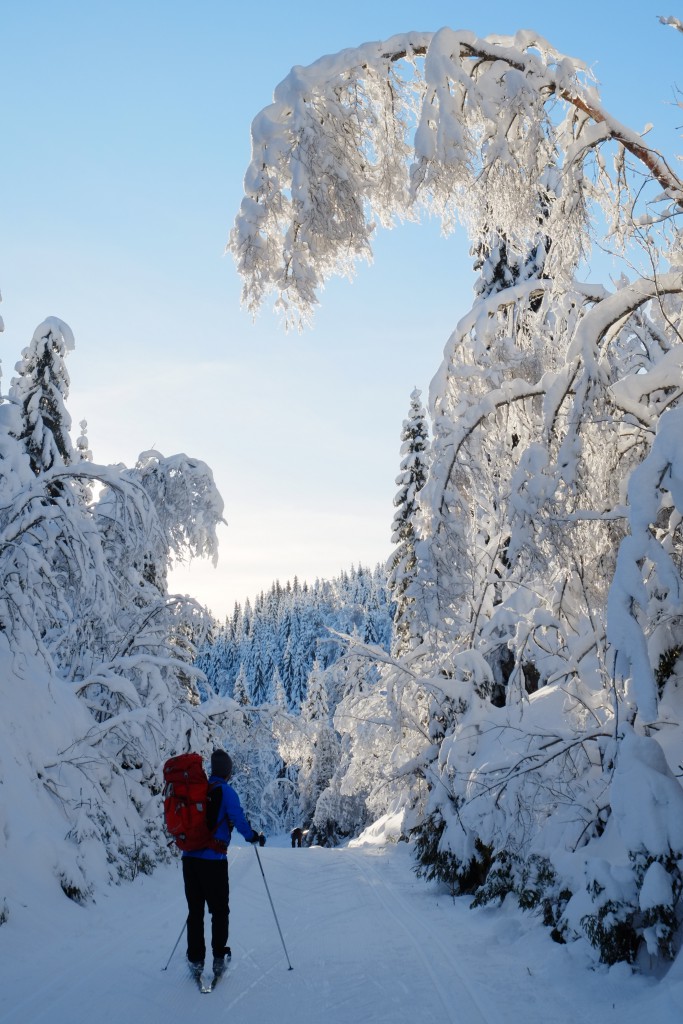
(436,958)
(368,942)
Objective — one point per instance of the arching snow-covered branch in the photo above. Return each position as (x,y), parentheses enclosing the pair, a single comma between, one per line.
(596,323)
(469,128)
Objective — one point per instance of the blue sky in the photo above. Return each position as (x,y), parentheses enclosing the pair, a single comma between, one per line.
(125,140)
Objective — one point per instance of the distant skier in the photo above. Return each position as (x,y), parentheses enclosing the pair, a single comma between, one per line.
(297,835)
(205,872)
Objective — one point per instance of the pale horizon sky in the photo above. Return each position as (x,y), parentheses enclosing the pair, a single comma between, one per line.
(126,137)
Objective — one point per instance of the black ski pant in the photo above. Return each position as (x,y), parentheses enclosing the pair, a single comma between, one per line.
(206,882)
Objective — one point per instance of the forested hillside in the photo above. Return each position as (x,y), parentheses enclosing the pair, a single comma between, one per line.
(290,628)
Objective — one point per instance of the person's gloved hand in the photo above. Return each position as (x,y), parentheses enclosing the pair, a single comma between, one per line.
(258,837)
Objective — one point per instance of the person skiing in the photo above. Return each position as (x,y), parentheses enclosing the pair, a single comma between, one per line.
(205,871)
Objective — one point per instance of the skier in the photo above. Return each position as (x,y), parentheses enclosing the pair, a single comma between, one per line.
(297,835)
(205,872)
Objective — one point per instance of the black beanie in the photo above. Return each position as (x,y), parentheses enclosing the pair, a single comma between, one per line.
(221,764)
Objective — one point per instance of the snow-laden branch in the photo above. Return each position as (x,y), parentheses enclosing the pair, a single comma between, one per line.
(373,653)
(511,391)
(673,22)
(658,480)
(468,131)
(597,321)
(534,761)
(628,393)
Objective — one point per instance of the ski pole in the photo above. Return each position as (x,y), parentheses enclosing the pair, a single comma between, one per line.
(176,946)
(271,907)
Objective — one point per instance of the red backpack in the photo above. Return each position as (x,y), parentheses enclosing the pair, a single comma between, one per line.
(186,797)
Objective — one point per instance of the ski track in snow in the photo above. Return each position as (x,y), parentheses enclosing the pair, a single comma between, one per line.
(416,934)
(369,944)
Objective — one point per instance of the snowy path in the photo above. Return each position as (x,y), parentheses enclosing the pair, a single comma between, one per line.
(369,944)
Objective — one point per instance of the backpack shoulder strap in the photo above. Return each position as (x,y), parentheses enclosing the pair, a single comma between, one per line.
(214,802)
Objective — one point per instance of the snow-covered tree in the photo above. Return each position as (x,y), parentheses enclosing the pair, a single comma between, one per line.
(316,706)
(552,491)
(403,565)
(278,689)
(41,389)
(98,676)
(240,694)
(320,752)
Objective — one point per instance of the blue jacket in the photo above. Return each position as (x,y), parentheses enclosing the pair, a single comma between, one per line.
(229,813)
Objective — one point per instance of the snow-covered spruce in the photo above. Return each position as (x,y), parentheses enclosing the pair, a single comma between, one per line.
(403,566)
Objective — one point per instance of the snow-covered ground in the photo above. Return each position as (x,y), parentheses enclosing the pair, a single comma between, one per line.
(369,943)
